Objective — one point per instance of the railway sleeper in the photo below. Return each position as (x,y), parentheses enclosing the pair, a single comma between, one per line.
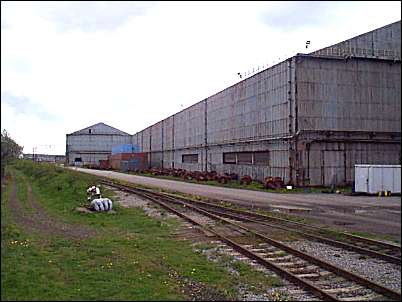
(341,290)
(368,297)
(275,259)
(315,275)
(303,269)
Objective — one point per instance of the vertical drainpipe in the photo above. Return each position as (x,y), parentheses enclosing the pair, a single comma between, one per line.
(290,129)
(205,135)
(296,126)
(67,161)
(142,141)
(162,144)
(150,146)
(173,143)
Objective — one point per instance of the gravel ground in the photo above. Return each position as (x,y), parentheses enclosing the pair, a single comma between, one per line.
(376,215)
(376,270)
(379,271)
(287,292)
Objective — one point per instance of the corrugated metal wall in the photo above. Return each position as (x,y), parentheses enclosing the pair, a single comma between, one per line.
(383,43)
(349,111)
(353,94)
(189,127)
(254,108)
(330,163)
(316,116)
(278,160)
(93,147)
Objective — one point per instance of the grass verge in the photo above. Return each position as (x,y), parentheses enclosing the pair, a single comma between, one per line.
(133,257)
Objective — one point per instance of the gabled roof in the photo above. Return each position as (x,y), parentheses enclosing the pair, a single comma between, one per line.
(100,128)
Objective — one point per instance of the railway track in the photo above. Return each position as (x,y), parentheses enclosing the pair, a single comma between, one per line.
(322,279)
(374,248)
(365,246)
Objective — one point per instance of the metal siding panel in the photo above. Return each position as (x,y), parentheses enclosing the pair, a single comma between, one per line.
(156,137)
(146,136)
(337,99)
(384,42)
(327,160)
(254,108)
(167,133)
(278,160)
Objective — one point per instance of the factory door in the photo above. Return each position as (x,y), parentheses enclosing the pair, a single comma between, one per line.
(333,167)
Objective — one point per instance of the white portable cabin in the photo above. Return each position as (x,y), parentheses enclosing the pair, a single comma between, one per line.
(378,178)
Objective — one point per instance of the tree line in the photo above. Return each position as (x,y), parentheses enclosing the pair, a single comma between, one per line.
(10,151)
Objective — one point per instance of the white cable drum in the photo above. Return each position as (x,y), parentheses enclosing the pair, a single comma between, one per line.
(100,204)
(105,204)
(94,204)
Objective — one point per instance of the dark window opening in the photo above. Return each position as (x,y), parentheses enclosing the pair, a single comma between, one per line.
(229,158)
(78,159)
(245,158)
(90,131)
(190,158)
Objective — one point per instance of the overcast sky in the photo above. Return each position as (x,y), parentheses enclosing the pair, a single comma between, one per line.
(69,65)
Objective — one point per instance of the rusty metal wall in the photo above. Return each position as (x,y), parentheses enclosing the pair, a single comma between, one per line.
(168,133)
(317,116)
(254,108)
(383,43)
(146,140)
(135,140)
(157,139)
(100,128)
(178,164)
(189,126)
(156,159)
(91,158)
(353,94)
(168,161)
(278,160)
(333,163)
(93,146)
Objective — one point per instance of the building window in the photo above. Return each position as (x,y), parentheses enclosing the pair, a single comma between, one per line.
(78,159)
(189,158)
(261,158)
(244,158)
(229,158)
(90,131)
(247,158)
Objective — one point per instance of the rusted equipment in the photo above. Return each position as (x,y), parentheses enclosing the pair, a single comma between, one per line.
(104,164)
(223,179)
(246,180)
(273,183)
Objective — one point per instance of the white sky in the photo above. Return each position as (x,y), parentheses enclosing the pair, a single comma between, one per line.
(69,65)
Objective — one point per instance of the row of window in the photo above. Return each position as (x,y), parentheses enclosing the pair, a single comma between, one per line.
(236,158)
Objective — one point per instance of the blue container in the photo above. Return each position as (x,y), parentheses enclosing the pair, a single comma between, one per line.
(125,148)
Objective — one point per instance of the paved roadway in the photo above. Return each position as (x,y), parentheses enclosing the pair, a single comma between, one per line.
(380,215)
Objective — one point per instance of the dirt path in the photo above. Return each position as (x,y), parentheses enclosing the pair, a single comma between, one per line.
(39,221)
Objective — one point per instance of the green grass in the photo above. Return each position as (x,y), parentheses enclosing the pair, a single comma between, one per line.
(132,257)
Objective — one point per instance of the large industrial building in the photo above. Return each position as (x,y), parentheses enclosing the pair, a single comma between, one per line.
(308,119)
(91,144)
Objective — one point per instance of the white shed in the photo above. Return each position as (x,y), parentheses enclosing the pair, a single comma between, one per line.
(377,178)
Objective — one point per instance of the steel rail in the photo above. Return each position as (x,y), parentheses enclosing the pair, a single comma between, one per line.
(315,237)
(347,275)
(268,264)
(363,250)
